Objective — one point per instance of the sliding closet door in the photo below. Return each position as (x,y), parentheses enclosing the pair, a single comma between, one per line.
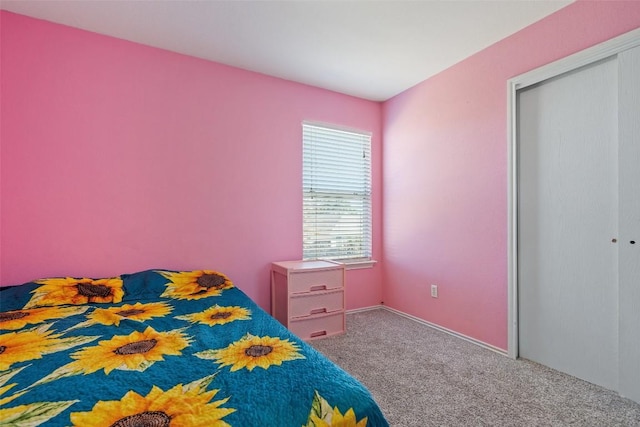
(568,223)
(629,253)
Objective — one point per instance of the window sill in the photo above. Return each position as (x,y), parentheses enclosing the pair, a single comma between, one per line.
(349,264)
(357,264)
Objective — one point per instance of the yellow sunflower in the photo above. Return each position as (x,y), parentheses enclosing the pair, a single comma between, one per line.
(251,351)
(33,344)
(18,319)
(195,284)
(217,315)
(69,290)
(337,420)
(322,415)
(138,312)
(134,352)
(181,406)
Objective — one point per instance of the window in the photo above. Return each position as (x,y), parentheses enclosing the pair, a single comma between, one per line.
(336,182)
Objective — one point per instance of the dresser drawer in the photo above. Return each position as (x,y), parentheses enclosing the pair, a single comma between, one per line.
(310,281)
(309,328)
(316,303)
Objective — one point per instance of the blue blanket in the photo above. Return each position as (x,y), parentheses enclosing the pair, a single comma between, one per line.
(162,348)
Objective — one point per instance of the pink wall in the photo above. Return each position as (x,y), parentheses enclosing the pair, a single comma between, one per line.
(117,157)
(445,173)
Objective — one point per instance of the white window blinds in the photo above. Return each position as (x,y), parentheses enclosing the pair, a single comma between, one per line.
(336,193)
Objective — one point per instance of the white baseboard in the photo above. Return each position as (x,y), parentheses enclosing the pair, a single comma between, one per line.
(432,325)
(363,309)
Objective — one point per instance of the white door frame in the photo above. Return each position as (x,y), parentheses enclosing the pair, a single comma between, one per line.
(572,62)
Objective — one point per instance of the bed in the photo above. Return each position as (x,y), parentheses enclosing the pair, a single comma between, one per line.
(162,348)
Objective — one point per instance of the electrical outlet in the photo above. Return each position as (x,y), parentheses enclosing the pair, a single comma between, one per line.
(434,291)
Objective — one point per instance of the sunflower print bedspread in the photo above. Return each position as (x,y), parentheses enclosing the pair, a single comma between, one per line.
(162,348)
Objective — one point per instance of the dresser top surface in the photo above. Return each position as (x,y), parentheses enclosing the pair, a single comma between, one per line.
(307,265)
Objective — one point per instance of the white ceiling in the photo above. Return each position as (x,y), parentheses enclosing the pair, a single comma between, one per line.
(369,49)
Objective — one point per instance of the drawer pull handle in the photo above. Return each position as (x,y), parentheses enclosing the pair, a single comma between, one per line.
(318,311)
(318,288)
(318,334)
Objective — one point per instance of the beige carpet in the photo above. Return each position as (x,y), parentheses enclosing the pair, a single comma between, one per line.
(423,377)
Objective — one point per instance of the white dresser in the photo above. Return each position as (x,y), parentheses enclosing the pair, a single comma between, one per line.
(308,297)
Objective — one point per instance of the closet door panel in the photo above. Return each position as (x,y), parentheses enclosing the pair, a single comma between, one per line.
(629,254)
(568,215)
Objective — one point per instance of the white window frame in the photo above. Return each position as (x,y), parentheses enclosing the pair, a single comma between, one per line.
(329,152)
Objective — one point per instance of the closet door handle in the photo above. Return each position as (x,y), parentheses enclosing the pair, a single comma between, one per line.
(633,242)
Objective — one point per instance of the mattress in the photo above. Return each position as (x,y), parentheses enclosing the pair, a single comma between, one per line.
(163,348)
